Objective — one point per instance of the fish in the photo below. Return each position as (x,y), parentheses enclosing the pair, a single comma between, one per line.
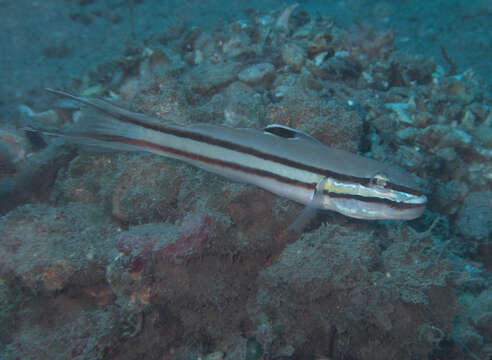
(283,160)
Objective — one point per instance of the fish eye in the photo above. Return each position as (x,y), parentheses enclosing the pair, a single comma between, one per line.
(380,180)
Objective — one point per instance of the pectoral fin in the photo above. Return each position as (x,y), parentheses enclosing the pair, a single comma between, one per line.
(311,209)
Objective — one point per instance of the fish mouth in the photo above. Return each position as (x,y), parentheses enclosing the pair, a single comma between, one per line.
(410,209)
(378,208)
(417,200)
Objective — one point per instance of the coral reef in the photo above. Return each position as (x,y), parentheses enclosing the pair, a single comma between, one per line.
(344,284)
(154,259)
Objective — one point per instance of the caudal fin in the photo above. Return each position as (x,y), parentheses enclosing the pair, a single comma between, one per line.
(101,124)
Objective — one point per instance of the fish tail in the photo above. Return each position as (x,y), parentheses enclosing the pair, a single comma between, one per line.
(103,125)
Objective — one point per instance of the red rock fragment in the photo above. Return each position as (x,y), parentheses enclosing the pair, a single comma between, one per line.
(126,242)
(145,245)
(137,265)
(194,233)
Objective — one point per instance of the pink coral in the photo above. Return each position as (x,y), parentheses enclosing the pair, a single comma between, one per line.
(126,242)
(193,235)
(142,242)
(15,145)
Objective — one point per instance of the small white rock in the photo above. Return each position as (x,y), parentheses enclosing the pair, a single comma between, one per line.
(216,355)
(256,73)
(318,59)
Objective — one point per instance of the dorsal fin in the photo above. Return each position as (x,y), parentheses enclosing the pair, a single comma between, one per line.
(287,132)
(281,130)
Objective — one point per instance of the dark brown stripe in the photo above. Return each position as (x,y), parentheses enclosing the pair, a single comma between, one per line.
(405,189)
(392,204)
(229,145)
(245,169)
(235,147)
(192,156)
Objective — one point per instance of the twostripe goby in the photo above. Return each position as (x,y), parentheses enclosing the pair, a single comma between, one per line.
(280,159)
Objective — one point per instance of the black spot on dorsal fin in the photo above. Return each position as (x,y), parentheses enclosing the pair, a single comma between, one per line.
(291,134)
(282,131)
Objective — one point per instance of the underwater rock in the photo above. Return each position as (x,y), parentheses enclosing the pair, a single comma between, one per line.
(196,282)
(410,158)
(134,199)
(250,112)
(338,68)
(207,79)
(34,176)
(303,32)
(254,350)
(423,119)
(406,68)
(475,216)
(468,120)
(237,105)
(282,22)
(243,106)
(457,88)
(189,39)
(157,58)
(236,347)
(78,333)
(341,267)
(483,133)
(440,136)
(46,118)
(257,74)
(125,183)
(473,327)
(237,46)
(13,145)
(45,247)
(364,43)
(293,56)
(401,110)
(327,121)
(449,196)
(407,134)
(7,166)
(204,47)
(279,92)
(129,275)
(320,43)
(320,58)
(481,111)
(448,154)
(216,355)
(480,313)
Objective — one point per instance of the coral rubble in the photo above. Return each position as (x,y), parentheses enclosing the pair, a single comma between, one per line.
(126,256)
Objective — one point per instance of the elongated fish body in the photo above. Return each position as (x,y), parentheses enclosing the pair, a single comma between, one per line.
(280,159)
